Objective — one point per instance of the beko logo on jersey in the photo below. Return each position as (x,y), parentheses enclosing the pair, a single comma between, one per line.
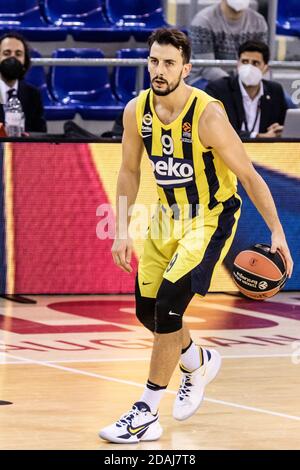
(168,168)
(171,168)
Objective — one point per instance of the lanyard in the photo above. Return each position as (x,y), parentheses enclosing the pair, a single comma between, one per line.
(256,117)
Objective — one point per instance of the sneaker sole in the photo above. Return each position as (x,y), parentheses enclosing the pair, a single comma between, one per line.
(116,440)
(211,373)
(150,435)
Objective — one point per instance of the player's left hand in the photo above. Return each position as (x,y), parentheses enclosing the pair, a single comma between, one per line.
(279,244)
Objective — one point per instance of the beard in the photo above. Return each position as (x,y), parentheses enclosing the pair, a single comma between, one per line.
(170,87)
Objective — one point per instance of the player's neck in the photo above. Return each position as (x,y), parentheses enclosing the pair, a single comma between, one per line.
(175,100)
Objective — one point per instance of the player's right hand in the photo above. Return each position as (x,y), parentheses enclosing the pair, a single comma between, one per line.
(121,253)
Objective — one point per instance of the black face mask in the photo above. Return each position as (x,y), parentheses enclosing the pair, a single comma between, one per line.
(12,69)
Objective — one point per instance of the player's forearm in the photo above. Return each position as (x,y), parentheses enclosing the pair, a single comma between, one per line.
(261,197)
(127,189)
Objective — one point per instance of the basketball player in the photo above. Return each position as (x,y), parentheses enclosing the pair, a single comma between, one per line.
(196,158)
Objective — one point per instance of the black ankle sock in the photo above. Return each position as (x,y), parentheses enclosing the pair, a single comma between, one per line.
(155,387)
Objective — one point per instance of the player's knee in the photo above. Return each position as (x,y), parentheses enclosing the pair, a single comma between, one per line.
(167,319)
(144,309)
(146,317)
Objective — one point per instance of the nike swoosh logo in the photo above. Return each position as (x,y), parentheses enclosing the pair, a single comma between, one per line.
(145,136)
(173,313)
(146,283)
(134,431)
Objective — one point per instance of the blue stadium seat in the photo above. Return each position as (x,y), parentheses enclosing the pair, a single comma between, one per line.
(125,77)
(36,74)
(84,19)
(25,17)
(138,16)
(288,17)
(86,88)
(53,109)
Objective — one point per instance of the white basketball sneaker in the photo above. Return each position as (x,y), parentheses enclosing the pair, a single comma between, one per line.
(139,424)
(191,390)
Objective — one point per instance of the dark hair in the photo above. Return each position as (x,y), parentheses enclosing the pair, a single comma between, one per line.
(19,37)
(256,46)
(176,38)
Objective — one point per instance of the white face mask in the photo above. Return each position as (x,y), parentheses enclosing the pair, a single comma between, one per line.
(238,5)
(250,75)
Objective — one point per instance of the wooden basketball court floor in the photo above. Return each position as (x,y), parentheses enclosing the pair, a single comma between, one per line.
(70,365)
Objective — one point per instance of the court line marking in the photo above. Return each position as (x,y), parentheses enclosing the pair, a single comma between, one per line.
(122,359)
(136,384)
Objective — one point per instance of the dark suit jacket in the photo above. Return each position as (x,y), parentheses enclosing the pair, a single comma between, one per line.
(273,104)
(31,101)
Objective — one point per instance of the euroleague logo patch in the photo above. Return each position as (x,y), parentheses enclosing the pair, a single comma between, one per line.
(187,132)
(186,127)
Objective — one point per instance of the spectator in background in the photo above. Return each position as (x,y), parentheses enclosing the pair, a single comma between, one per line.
(255,107)
(14,63)
(217,33)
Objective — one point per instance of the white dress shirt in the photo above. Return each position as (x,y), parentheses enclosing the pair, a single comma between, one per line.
(5,88)
(252,112)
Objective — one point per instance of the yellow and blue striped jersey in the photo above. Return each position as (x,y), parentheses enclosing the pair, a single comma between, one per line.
(186,173)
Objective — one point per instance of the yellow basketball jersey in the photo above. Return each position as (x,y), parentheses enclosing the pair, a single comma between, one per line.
(187,174)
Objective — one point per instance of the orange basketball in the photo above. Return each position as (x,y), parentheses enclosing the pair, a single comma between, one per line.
(258,273)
